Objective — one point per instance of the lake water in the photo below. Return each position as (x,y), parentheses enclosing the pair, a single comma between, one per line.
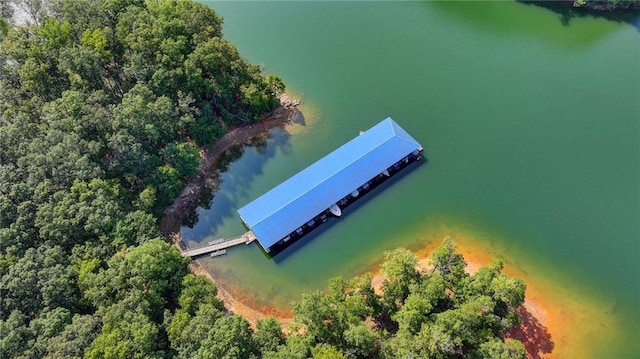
(531,127)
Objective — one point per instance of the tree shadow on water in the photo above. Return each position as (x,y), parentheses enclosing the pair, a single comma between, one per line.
(535,337)
(203,201)
(567,12)
(236,170)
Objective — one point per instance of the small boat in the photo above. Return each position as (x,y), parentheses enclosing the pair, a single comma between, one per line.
(335,210)
(355,193)
(216,241)
(386,173)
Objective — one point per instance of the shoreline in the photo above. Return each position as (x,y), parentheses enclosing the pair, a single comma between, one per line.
(534,331)
(174,214)
(238,307)
(542,325)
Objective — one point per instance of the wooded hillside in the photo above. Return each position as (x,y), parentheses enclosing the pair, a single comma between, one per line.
(103,107)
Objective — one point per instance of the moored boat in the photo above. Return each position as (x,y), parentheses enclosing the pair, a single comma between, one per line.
(335,210)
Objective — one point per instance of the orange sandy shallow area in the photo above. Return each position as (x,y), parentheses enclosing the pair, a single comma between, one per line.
(534,330)
(555,322)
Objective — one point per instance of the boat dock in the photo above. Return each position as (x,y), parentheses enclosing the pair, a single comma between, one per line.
(293,208)
(218,247)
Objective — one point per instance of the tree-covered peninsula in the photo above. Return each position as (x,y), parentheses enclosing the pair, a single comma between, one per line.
(104,107)
(440,312)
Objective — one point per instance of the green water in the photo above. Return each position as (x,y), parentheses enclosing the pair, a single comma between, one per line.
(531,127)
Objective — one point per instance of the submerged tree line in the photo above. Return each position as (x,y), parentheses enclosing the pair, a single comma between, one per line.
(104,106)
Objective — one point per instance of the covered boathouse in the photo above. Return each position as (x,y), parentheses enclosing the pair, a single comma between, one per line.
(298,205)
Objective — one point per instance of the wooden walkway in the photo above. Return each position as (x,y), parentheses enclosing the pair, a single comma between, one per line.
(220,245)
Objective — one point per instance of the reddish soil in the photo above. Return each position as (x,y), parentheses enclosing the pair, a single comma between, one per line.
(532,333)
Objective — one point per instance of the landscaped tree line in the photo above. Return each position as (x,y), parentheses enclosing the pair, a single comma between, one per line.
(104,106)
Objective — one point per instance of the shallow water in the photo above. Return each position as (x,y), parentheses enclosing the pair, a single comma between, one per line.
(531,127)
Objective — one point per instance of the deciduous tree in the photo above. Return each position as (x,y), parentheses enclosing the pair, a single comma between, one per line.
(268,335)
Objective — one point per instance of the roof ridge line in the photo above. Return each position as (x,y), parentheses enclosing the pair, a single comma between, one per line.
(323,181)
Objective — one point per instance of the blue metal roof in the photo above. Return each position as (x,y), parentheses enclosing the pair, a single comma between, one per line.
(306,194)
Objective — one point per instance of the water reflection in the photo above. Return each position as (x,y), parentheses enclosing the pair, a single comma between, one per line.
(568,12)
(490,16)
(238,168)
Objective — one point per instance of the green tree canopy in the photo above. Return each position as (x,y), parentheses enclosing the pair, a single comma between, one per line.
(442,312)
(268,335)
(104,107)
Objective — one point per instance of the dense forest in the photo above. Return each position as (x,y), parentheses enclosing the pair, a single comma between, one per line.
(607,5)
(104,107)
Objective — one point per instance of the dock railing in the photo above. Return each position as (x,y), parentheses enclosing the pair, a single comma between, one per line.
(218,245)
